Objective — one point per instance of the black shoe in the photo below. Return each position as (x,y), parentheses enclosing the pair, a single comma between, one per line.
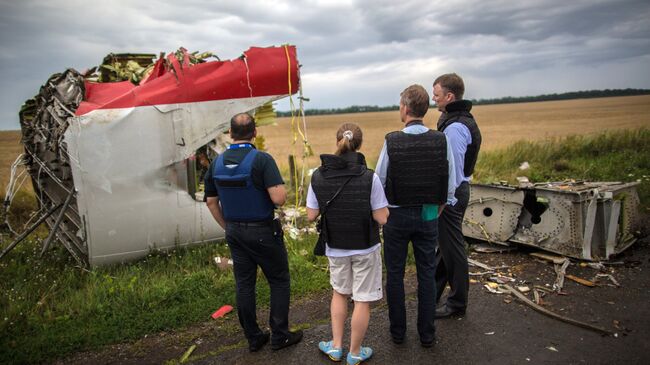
(292,339)
(398,340)
(446,312)
(257,344)
(427,344)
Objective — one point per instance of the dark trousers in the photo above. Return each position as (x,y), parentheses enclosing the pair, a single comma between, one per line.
(263,246)
(404,225)
(451,258)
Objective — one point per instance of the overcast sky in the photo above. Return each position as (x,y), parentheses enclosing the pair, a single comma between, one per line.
(352,52)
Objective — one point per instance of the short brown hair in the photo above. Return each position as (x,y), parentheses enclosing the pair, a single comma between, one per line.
(242,126)
(452,83)
(416,99)
(348,144)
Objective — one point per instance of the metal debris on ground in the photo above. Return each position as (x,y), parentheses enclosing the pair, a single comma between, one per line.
(560,271)
(552,258)
(594,265)
(523,289)
(582,281)
(494,288)
(606,276)
(502,279)
(583,220)
(483,266)
(547,312)
(487,248)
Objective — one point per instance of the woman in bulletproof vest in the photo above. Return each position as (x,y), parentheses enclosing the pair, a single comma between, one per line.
(350,199)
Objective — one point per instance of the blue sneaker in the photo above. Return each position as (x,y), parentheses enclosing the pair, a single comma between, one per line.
(335,354)
(363,355)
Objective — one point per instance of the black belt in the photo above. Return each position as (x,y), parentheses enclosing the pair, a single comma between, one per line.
(253,224)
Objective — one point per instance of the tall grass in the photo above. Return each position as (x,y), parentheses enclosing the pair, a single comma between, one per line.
(610,156)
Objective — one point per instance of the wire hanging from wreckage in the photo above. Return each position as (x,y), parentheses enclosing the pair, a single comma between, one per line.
(297,131)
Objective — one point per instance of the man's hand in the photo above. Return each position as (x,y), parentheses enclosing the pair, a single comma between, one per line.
(215,209)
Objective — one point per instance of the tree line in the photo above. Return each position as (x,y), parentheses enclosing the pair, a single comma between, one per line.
(586,94)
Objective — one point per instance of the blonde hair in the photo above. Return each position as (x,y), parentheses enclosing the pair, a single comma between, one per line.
(348,138)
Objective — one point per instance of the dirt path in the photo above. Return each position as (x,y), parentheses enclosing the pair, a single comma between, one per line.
(497,329)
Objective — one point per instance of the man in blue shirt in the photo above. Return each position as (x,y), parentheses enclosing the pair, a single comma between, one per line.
(464,138)
(416,167)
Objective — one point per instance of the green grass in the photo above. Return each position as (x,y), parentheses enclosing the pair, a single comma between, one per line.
(49,308)
(612,156)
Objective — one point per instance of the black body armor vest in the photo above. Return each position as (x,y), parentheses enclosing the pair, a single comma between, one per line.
(459,111)
(349,217)
(418,170)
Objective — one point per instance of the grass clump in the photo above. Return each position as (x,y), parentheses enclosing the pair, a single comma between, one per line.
(611,156)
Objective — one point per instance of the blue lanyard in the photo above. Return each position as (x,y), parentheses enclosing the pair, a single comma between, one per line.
(240,145)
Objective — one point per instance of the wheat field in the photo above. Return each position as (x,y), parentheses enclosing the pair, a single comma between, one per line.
(500,124)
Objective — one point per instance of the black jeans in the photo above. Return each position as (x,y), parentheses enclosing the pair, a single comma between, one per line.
(451,258)
(404,225)
(263,246)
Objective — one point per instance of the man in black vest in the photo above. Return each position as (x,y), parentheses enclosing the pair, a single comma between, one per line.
(464,138)
(242,187)
(415,166)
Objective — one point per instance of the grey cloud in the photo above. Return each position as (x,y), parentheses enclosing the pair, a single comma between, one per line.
(352,52)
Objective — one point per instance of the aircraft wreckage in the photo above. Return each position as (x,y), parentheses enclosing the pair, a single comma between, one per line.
(113,154)
(583,220)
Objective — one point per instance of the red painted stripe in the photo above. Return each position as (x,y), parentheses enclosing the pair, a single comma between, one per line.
(267,72)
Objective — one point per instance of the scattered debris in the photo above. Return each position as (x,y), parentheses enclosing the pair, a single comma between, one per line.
(481,273)
(543,288)
(472,262)
(594,265)
(502,279)
(523,289)
(582,281)
(552,349)
(223,263)
(489,333)
(547,312)
(607,276)
(552,258)
(222,311)
(560,270)
(524,183)
(494,289)
(524,166)
(487,248)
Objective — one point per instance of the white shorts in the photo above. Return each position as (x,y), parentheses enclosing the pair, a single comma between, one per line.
(359,275)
